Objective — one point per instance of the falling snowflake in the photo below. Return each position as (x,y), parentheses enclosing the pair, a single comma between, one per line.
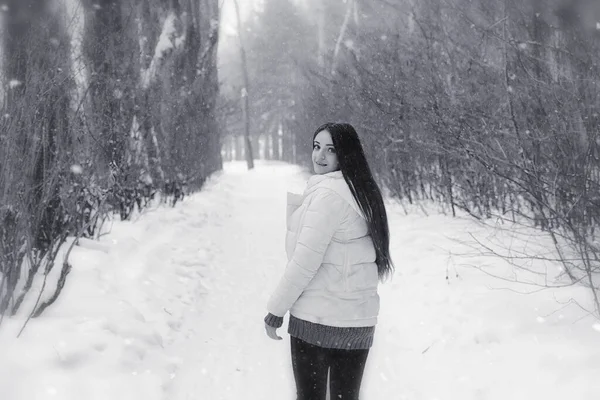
(76,169)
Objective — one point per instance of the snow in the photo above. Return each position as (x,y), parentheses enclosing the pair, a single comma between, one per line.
(169,31)
(167,41)
(14,83)
(170,306)
(76,169)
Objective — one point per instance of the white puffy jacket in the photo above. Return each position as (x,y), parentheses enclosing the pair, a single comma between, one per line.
(331,276)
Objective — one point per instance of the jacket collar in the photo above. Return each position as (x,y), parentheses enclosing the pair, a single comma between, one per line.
(336,182)
(322,178)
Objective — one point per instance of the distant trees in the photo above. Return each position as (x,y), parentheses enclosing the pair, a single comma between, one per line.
(276,39)
(104,104)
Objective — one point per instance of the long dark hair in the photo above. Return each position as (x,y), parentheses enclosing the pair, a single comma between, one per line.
(358,176)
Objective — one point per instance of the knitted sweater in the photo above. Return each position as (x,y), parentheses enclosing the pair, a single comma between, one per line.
(332,337)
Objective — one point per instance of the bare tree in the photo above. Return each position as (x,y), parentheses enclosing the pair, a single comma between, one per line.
(245,95)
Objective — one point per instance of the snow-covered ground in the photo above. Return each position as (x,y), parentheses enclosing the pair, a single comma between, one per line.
(171,306)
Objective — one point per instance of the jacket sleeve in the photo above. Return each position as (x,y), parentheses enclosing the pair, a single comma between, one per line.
(293,202)
(322,218)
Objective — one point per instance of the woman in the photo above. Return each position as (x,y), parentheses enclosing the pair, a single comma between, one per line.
(337,245)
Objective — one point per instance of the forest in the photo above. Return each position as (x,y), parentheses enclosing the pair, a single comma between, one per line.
(488,107)
(105,104)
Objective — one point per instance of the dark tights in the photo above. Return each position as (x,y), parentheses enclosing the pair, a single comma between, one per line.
(311,364)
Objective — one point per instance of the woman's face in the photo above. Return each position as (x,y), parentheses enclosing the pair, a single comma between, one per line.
(324,157)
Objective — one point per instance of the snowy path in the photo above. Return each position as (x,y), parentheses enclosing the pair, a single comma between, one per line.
(170,307)
(229,356)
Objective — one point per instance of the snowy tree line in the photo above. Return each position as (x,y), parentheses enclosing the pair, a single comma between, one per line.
(485,106)
(105,105)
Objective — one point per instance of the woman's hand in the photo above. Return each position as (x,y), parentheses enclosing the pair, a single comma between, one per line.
(272,332)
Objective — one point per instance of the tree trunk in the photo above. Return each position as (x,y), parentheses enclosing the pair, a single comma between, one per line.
(341,35)
(245,91)
(275,143)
